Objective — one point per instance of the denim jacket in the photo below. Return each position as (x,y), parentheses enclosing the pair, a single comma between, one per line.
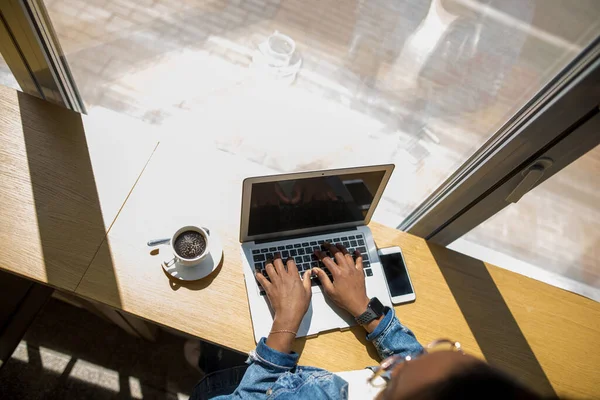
(275,375)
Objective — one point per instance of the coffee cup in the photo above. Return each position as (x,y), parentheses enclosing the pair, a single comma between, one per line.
(279,49)
(190,245)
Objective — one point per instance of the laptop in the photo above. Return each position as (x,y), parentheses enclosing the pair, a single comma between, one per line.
(293,214)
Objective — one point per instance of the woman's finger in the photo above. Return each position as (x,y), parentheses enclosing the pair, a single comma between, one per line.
(359,260)
(279,267)
(264,282)
(292,269)
(337,254)
(306,280)
(341,248)
(271,272)
(325,282)
(328,262)
(347,255)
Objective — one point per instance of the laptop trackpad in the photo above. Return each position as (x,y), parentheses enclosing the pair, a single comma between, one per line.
(323,315)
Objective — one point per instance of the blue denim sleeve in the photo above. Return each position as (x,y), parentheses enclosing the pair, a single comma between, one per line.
(391,337)
(266,366)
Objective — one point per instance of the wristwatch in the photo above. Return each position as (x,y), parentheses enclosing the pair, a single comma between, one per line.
(374,310)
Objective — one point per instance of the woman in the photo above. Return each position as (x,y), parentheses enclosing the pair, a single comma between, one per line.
(407,372)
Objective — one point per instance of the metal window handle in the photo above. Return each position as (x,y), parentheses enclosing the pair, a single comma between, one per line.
(531,176)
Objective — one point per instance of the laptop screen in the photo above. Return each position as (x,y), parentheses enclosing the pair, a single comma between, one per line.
(288,205)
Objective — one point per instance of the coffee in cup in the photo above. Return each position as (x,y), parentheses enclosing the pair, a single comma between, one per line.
(190,245)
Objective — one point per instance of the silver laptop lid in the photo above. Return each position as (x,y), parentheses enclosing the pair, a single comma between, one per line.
(309,202)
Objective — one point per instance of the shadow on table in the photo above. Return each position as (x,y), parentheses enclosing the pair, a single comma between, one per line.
(361,336)
(175,284)
(497,332)
(69,215)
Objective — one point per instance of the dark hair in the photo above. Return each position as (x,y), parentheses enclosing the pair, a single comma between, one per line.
(478,381)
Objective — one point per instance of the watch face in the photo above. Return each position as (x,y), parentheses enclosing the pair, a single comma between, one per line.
(376,306)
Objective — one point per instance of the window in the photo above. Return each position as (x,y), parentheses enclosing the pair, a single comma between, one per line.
(421,84)
(551,234)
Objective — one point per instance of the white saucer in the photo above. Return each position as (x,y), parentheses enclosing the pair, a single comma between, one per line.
(201,270)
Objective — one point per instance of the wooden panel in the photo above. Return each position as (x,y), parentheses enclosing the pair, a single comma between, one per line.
(63,179)
(529,328)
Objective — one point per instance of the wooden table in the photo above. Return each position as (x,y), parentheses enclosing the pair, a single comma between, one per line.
(542,334)
(538,332)
(63,180)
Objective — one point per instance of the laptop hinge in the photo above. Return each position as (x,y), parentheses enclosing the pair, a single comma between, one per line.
(326,232)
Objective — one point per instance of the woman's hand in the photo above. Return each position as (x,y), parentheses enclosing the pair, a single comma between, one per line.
(348,287)
(289,297)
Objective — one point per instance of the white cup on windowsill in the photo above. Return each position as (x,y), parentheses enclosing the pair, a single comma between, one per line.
(279,49)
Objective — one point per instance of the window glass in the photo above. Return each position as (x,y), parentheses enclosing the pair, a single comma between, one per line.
(309,84)
(6,76)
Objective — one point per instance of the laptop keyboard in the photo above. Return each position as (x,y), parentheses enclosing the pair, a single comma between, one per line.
(303,254)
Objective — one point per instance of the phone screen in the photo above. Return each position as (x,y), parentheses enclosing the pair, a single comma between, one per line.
(396,274)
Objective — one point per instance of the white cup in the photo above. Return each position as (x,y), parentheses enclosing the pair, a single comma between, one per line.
(279,49)
(190,261)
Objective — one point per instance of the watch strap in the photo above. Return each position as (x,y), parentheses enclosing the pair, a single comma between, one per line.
(366,317)
(370,314)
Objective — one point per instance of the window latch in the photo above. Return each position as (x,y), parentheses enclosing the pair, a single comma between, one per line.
(530,177)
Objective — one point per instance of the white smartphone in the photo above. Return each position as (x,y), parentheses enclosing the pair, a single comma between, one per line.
(398,281)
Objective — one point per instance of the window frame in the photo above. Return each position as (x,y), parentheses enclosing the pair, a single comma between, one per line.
(32,51)
(547,124)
